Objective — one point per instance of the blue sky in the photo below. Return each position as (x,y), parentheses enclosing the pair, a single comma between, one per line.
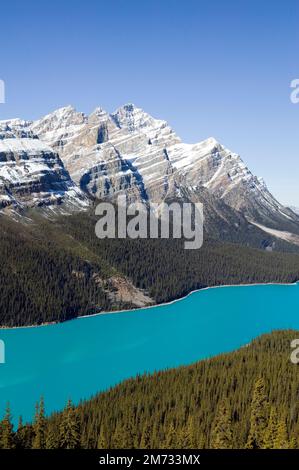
(209,67)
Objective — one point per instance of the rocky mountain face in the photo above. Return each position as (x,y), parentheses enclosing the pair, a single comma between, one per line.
(107,154)
(32,173)
(130,152)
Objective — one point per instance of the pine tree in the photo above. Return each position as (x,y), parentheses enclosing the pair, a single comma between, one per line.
(128,436)
(118,438)
(69,428)
(281,439)
(186,397)
(20,423)
(293,443)
(145,442)
(185,438)
(170,441)
(222,435)
(270,433)
(39,440)
(201,442)
(102,442)
(7,435)
(21,435)
(52,438)
(258,417)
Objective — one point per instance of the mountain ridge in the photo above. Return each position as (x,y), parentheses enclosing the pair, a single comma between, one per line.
(129,151)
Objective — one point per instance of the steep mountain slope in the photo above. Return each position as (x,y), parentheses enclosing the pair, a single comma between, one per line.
(131,151)
(106,153)
(31,173)
(54,268)
(226,176)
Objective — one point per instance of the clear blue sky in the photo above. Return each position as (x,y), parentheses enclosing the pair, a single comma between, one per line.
(209,67)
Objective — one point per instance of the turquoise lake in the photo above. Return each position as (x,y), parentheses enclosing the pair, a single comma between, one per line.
(76,359)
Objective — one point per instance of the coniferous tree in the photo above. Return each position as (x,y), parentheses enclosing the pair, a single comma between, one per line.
(65,284)
(21,435)
(145,442)
(52,438)
(170,441)
(221,435)
(118,438)
(293,443)
(281,438)
(39,427)
(102,441)
(128,436)
(20,423)
(270,433)
(7,434)
(181,417)
(259,414)
(185,437)
(69,428)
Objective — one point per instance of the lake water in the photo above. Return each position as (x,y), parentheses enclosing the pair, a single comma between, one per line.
(79,358)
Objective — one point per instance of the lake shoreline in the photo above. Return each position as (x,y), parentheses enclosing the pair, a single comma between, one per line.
(164,304)
(88,357)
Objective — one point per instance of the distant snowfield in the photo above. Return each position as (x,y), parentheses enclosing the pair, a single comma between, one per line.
(287,236)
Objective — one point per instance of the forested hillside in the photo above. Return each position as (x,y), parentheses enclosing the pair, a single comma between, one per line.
(167,271)
(244,399)
(41,282)
(54,270)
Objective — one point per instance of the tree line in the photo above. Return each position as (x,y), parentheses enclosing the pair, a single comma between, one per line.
(49,269)
(167,271)
(244,399)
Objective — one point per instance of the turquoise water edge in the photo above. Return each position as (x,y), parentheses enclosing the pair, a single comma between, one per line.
(81,357)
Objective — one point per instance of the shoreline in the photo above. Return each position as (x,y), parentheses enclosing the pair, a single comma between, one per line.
(188,295)
(137,309)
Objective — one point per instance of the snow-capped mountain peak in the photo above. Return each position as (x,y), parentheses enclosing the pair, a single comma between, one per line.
(134,119)
(59,119)
(131,151)
(31,172)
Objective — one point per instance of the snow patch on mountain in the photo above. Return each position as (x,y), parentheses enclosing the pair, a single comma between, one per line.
(31,173)
(131,152)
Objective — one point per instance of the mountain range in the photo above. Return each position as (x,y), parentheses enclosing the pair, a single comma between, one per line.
(54,170)
(67,159)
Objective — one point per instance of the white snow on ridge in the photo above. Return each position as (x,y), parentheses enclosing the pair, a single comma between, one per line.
(30,146)
(129,150)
